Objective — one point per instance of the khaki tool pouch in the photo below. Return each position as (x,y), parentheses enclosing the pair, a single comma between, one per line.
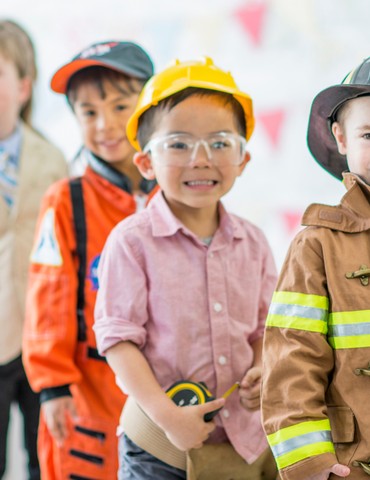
(222,462)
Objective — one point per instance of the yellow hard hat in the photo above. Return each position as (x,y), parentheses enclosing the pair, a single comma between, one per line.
(181,75)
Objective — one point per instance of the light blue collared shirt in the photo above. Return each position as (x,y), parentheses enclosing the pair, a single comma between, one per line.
(9,166)
(12,144)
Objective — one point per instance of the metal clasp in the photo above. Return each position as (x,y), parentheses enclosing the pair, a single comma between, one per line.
(364,465)
(363,274)
(363,371)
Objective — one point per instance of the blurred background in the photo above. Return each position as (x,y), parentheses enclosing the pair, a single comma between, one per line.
(281,52)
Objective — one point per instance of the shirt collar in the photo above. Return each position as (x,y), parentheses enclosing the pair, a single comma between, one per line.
(165,224)
(12,144)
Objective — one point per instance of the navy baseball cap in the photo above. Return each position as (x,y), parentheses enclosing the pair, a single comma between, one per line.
(126,57)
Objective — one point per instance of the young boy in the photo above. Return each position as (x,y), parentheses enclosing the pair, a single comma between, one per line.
(29,164)
(200,283)
(316,351)
(81,402)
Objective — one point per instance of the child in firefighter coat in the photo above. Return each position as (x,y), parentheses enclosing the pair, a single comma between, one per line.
(317,343)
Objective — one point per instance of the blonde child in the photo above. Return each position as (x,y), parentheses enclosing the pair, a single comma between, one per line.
(28,165)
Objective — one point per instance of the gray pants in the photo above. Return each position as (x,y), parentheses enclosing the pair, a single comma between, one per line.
(137,464)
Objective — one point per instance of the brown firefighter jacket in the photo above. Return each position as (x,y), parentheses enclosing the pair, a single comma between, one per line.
(56,362)
(316,383)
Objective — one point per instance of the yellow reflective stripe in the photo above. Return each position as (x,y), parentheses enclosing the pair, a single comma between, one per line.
(280,321)
(298,429)
(297,442)
(338,343)
(357,316)
(303,299)
(349,329)
(298,311)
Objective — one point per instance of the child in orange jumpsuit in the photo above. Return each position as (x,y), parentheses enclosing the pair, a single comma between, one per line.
(81,402)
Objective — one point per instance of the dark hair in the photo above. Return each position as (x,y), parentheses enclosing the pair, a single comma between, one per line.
(96,76)
(149,119)
(17,46)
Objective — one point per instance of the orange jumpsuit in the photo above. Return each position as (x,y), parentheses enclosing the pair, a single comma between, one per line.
(56,362)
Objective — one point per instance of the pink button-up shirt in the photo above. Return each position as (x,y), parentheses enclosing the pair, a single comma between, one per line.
(193,310)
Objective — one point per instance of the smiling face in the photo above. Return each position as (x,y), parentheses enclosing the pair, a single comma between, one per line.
(199,185)
(352,133)
(102,114)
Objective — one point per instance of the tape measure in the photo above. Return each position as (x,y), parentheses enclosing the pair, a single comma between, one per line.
(186,393)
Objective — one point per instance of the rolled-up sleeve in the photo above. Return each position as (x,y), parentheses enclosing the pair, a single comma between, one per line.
(121,305)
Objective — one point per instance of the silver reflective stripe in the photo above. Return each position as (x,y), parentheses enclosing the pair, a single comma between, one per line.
(290,310)
(301,441)
(349,330)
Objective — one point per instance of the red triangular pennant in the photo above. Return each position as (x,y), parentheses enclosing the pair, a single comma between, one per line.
(251,17)
(292,220)
(272,122)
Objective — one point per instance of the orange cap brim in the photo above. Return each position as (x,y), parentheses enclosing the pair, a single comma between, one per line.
(61,77)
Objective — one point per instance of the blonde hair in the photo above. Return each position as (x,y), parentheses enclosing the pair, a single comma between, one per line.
(17,46)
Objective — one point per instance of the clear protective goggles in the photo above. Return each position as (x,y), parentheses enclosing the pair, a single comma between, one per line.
(180,149)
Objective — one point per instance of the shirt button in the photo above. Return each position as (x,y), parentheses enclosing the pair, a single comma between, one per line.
(225,413)
(211,255)
(217,307)
(222,360)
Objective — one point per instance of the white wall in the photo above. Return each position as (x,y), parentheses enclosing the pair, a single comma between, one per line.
(283,53)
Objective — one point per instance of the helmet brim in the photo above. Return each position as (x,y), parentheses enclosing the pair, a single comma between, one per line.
(320,139)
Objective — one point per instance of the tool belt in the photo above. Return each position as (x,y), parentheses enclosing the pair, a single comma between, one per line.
(147,435)
(219,461)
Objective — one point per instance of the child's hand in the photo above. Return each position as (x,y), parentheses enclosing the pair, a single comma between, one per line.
(337,469)
(249,391)
(55,413)
(188,429)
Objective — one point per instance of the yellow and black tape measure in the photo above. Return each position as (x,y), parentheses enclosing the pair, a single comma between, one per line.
(185,393)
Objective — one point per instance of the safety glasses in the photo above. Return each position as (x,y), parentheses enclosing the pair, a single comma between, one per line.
(181,149)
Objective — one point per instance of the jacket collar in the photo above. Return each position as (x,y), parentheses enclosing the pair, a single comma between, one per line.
(353,213)
(118,179)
